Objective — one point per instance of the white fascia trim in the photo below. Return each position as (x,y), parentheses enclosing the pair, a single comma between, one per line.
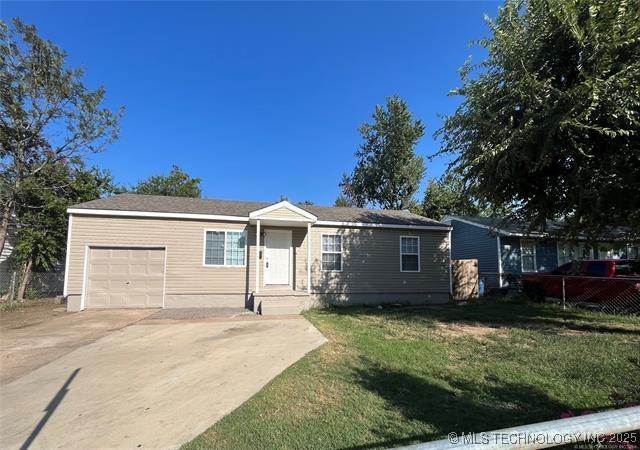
(67,257)
(283,204)
(108,212)
(280,219)
(381,225)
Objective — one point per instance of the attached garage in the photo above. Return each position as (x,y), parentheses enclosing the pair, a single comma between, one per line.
(124,277)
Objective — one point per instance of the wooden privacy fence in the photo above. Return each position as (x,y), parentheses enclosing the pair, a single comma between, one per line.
(464,279)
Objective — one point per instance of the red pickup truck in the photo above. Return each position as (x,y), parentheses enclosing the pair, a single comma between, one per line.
(588,282)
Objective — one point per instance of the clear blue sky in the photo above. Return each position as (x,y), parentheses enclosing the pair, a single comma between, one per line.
(260,99)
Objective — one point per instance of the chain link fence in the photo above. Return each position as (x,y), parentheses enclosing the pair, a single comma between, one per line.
(41,284)
(617,295)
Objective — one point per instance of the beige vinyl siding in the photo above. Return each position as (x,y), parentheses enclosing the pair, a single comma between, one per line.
(300,258)
(371,259)
(371,262)
(282,213)
(184,241)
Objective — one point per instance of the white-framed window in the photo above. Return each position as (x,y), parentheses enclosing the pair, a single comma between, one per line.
(409,254)
(568,252)
(225,248)
(528,255)
(611,250)
(331,252)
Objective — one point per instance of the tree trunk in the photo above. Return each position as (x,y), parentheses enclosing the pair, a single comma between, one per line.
(4,225)
(24,281)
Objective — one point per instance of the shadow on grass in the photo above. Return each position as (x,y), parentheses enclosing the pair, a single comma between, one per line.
(483,407)
(502,313)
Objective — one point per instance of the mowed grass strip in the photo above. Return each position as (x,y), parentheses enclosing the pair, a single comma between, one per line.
(396,376)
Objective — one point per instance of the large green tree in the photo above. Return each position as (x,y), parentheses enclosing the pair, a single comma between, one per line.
(549,125)
(177,183)
(448,195)
(41,206)
(47,117)
(388,171)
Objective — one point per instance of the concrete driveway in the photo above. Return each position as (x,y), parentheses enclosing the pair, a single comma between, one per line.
(152,384)
(27,346)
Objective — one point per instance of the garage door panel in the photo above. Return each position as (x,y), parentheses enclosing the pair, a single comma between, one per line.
(125,278)
(119,268)
(155,300)
(98,253)
(156,269)
(117,300)
(97,269)
(99,300)
(100,284)
(139,268)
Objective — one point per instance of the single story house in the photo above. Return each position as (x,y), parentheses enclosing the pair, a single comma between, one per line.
(504,250)
(136,251)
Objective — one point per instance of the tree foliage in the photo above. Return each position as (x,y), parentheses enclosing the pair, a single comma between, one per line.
(550,121)
(41,207)
(48,117)
(388,171)
(342,200)
(177,183)
(448,195)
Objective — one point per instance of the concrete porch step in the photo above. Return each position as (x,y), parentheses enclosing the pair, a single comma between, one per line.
(280,303)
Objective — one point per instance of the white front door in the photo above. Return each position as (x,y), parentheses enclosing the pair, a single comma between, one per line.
(277,256)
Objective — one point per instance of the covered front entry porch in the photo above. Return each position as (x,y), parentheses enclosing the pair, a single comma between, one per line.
(283,272)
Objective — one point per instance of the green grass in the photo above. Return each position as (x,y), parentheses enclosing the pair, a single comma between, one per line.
(6,306)
(396,376)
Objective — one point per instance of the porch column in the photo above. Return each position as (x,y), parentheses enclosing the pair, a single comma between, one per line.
(257,255)
(308,257)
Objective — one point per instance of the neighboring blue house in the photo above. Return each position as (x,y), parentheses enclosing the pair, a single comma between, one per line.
(506,251)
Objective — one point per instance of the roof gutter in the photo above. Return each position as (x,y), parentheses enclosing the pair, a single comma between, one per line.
(159,215)
(383,225)
(244,219)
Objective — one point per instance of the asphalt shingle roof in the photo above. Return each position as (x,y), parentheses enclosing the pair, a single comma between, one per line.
(553,227)
(157,203)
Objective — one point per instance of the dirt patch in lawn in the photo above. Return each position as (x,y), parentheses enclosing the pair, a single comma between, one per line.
(31,313)
(467,329)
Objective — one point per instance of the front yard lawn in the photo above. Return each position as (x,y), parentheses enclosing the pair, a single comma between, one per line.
(396,376)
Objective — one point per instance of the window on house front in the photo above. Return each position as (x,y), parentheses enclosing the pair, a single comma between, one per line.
(409,254)
(331,252)
(225,248)
(528,255)
(608,250)
(568,252)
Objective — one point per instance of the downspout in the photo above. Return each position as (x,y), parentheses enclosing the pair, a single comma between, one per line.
(65,290)
(308,257)
(499,261)
(257,255)
(450,274)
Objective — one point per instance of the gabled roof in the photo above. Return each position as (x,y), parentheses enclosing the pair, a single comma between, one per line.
(242,209)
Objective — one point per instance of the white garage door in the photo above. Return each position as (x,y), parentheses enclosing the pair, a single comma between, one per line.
(125,278)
